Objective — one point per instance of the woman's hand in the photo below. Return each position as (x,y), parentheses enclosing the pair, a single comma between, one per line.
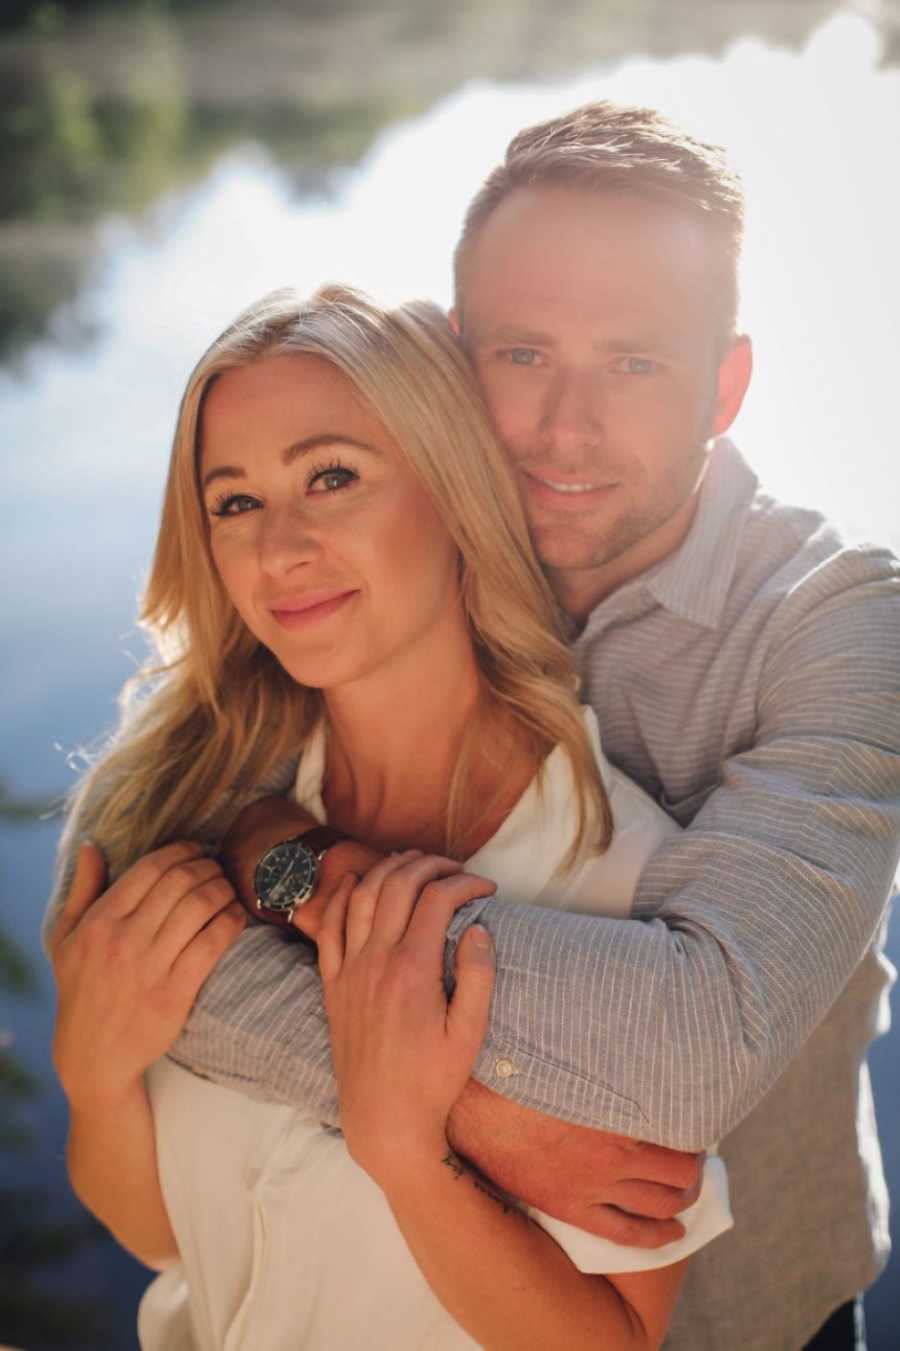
(402,1054)
(128,963)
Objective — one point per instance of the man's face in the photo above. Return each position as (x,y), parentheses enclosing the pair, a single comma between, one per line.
(592,324)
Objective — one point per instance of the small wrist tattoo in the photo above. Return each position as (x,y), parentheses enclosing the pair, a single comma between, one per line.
(454,1164)
(458,1167)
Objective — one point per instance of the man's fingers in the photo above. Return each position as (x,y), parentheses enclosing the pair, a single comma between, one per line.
(669,1167)
(629,1231)
(87,884)
(467,1017)
(653,1200)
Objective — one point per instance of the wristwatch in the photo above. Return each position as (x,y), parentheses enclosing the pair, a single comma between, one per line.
(286,875)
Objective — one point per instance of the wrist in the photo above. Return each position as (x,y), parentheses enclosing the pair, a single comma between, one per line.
(346,856)
(265,823)
(405,1163)
(104,1104)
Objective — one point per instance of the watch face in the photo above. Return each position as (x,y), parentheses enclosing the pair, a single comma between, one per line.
(285,876)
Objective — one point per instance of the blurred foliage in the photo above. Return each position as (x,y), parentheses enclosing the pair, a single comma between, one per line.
(34,1240)
(30,1243)
(15,808)
(105,105)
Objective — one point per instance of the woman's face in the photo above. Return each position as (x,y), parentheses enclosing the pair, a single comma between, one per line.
(325,540)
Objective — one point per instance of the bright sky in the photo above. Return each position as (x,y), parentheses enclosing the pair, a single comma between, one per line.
(816,135)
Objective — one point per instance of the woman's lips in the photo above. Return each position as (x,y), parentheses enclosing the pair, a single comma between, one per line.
(305,611)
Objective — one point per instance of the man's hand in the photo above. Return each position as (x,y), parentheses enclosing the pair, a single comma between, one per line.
(256,828)
(618,1188)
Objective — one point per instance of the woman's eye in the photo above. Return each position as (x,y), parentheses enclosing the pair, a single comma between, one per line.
(522,356)
(330,480)
(233,504)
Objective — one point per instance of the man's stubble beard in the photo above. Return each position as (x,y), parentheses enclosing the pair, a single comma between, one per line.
(564,547)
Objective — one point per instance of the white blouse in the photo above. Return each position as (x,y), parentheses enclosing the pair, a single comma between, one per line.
(285,1242)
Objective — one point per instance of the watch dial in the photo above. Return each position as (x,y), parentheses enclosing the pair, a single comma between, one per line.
(285,876)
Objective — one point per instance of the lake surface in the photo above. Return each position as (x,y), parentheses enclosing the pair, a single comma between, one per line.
(85,426)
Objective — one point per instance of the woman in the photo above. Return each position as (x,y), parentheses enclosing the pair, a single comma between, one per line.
(342,569)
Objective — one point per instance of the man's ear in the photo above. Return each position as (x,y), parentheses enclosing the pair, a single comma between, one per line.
(735,370)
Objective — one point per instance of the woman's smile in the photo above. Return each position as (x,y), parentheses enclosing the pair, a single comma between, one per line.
(323,536)
(301,612)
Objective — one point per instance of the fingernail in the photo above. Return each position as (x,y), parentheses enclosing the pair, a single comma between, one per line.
(482,942)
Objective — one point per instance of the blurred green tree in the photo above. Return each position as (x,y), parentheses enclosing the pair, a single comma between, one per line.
(34,1241)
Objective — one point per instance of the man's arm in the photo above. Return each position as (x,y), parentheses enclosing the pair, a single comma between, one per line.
(753,919)
(670,1029)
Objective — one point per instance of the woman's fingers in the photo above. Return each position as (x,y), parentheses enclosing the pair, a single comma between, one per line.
(437,905)
(200,954)
(86,886)
(174,919)
(134,886)
(330,936)
(467,1017)
(366,899)
(170,896)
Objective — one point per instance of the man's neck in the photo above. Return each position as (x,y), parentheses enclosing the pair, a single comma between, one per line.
(580,590)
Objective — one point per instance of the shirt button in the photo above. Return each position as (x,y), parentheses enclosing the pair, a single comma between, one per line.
(504,1069)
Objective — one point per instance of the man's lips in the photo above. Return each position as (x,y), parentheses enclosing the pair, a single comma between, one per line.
(561,492)
(293,612)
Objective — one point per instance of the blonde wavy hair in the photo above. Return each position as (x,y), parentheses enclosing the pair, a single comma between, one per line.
(211,717)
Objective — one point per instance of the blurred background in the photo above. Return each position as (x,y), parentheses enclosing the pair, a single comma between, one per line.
(163,163)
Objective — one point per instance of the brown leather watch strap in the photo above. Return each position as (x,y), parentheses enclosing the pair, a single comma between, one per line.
(320,838)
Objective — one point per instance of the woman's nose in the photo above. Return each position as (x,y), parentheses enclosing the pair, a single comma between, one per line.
(286,540)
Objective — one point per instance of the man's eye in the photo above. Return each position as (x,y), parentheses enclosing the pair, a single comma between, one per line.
(636,366)
(522,356)
(330,480)
(233,504)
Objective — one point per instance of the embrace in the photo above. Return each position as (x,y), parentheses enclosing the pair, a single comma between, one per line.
(561,764)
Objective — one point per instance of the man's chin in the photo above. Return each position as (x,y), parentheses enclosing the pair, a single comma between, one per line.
(561,550)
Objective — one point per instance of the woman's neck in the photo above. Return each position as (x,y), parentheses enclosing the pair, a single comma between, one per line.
(394,743)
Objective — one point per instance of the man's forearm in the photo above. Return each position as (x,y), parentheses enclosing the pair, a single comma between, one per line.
(669,1029)
(672,1029)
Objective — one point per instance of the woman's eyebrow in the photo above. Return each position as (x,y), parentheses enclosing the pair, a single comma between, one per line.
(311,443)
(222,471)
(292,453)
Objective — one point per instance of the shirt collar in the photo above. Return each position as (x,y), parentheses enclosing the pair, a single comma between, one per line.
(693,582)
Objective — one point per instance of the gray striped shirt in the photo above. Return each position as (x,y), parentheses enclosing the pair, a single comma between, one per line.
(751,683)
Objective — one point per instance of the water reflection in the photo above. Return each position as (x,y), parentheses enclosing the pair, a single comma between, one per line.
(815,133)
(103,107)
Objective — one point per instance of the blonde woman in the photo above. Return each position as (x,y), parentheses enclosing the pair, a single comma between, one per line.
(342,573)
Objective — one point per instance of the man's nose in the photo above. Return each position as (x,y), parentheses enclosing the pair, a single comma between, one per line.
(573,411)
(287,540)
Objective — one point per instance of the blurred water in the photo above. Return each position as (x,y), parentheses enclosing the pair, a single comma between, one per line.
(85,432)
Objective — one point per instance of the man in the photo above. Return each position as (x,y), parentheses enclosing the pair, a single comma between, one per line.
(745,668)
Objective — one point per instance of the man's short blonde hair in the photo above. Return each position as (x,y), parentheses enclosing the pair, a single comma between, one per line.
(604,147)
